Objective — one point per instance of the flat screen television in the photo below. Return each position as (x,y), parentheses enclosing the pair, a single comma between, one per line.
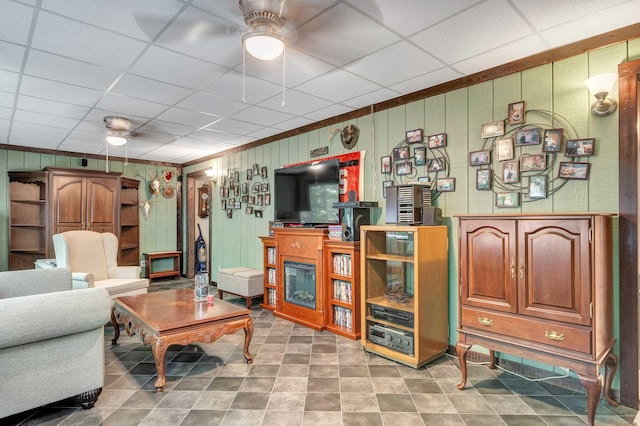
(305,193)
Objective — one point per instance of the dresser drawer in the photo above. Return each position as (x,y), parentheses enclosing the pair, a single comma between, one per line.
(550,333)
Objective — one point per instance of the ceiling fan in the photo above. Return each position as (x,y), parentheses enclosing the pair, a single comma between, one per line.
(118,134)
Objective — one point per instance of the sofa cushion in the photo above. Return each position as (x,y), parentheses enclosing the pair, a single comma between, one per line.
(119,286)
(34,281)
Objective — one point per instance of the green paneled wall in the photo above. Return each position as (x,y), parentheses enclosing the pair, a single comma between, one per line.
(157,233)
(555,88)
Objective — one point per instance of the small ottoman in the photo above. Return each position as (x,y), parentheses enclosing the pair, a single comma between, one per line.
(240,281)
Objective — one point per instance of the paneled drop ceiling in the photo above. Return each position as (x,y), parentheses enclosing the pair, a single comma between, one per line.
(175,69)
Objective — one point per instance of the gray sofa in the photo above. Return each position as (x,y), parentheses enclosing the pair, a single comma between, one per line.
(51,340)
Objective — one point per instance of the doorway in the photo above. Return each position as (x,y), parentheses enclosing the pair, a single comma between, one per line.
(198,212)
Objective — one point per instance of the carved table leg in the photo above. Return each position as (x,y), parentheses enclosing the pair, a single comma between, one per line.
(593,385)
(220,294)
(610,367)
(248,332)
(492,361)
(116,328)
(159,348)
(461,351)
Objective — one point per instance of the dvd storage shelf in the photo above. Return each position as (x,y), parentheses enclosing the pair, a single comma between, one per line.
(129,253)
(270,278)
(404,295)
(342,284)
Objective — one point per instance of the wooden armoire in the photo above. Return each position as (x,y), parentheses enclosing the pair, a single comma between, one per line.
(55,200)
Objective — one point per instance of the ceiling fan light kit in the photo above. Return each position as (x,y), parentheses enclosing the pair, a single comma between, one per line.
(265,19)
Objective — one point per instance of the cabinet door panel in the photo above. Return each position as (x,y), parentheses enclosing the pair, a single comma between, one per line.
(487,264)
(554,269)
(102,202)
(69,204)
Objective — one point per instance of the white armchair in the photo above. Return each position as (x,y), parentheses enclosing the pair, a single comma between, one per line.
(92,257)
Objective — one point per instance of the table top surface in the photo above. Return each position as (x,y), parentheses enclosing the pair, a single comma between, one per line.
(175,309)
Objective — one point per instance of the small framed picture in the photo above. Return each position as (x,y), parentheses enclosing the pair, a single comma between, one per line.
(437,141)
(225,192)
(258,213)
(400,153)
(446,184)
(248,210)
(570,170)
(237,205)
(526,137)
(511,171)
(249,174)
(419,155)
(538,187)
(267,199)
(483,179)
(515,113)
(491,130)
(507,199)
(255,188)
(403,168)
(236,190)
(230,202)
(229,213)
(425,179)
(245,188)
(263,172)
(479,158)
(414,136)
(579,147)
(264,187)
(436,164)
(244,199)
(552,140)
(385,185)
(236,176)
(533,162)
(223,204)
(251,200)
(385,165)
(259,200)
(256,169)
(505,149)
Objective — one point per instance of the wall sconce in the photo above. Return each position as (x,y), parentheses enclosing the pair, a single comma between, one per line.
(600,85)
(211,174)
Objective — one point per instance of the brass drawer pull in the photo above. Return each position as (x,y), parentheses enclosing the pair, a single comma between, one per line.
(554,336)
(485,321)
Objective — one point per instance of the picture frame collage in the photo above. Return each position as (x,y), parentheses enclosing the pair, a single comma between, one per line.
(254,196)
(417,148)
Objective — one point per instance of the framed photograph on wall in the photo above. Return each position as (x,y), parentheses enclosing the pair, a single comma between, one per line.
(400,153)
(479,158)
(526,137)
(491,130)
(446,184)
(538,187)
(483,179)
(511,171)
(507,199)
(579,147)
(249,174)
(267,199)
(258,213)
(436,164)
(437,141)
(552,140)
(419,155)
(403,168)
(570,170)
(533,162)
(515,113)
(505,149)
(385,185)
(414,136)
(385,165)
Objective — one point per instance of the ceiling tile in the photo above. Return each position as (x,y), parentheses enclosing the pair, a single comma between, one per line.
(189,118)
(8,81)
(229,85)
(212,135)
(141,19)
(54,67)
(40,129)
(330,111)
(262,116)
(176,69)
(294,123)
(544,14)
(299,68)
(16,21)
(6,113)
(498,23)
(123,105)
(297,103)
(51,90)
(193,143)
(7,99)
(44,119)
(204,102)
(29,103)
(150,90)
(234,126)
(97,46)
(34,140)
(427,80)
(11,55)
(165,127)
(371,98)
(338,85)
(342,35)
(84,146)
(382,66)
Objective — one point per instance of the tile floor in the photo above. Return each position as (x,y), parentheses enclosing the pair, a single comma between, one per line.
(303,377)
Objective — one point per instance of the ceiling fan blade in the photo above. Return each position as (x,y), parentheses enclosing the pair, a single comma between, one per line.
(187,28)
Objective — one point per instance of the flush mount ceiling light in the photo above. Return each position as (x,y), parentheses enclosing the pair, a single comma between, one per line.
(600,85)
(265,19)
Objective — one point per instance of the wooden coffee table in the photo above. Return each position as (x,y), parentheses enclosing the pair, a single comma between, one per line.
(172,317)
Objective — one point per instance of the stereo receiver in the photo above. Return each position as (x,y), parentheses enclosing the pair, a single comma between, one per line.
(395,316)
(392,338)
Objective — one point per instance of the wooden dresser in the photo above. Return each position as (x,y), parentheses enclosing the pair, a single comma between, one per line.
(539,286)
